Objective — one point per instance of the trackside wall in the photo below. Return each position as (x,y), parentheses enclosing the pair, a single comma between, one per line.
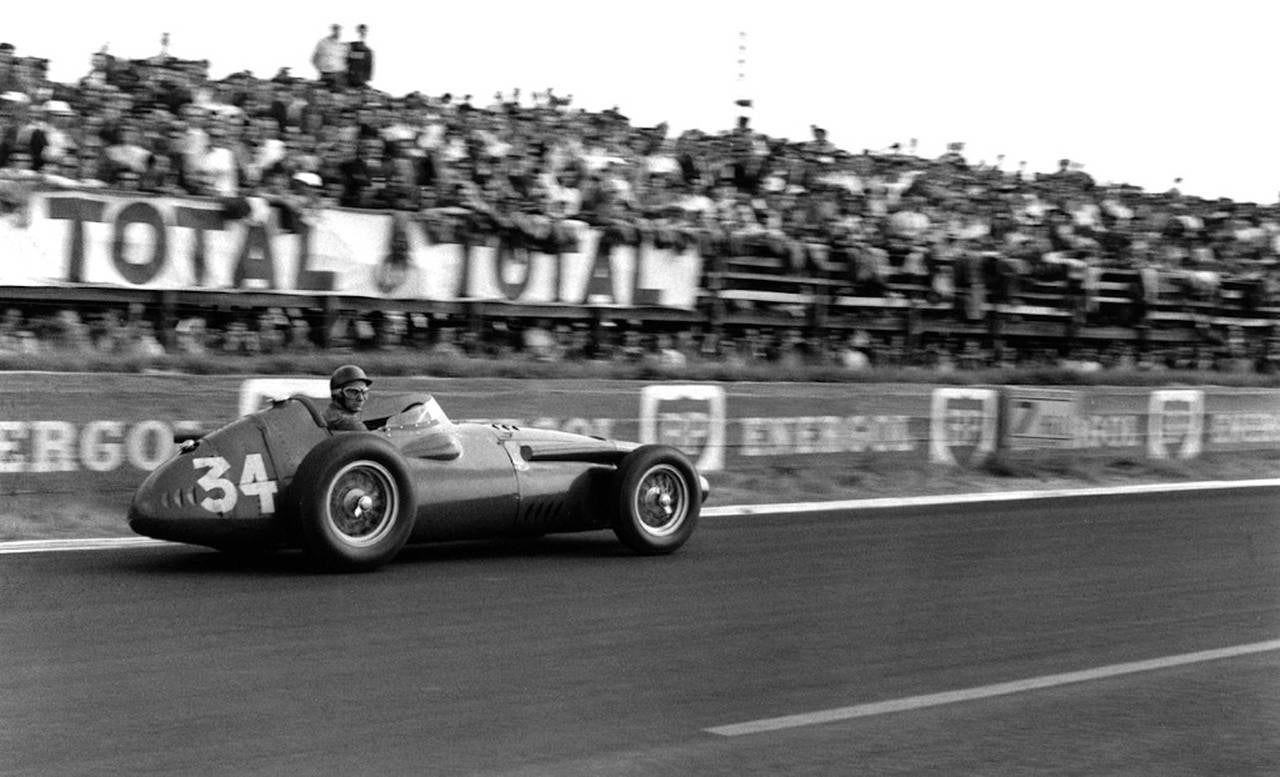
(92,437)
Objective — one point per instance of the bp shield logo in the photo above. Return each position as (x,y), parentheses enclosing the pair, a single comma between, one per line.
(962,426)
(1175,423)
(688,417)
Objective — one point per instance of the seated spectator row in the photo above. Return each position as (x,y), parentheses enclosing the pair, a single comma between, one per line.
(894,331)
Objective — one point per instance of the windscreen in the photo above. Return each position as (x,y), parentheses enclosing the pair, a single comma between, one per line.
(423,413)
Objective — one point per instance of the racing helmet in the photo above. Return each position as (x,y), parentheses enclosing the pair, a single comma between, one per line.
(347,373)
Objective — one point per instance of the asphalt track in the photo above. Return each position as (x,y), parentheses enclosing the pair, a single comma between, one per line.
(567,656)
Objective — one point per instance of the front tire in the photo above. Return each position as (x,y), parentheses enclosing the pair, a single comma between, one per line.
(355,502)
(657,500)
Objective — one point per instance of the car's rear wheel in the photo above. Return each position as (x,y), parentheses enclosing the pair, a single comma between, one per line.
(355,502)
(658,500)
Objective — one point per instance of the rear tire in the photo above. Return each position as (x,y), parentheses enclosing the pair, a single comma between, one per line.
(354,502)
(657,500)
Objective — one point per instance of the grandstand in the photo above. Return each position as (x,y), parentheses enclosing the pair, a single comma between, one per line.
(806,250)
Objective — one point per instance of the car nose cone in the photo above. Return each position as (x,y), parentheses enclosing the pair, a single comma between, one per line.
(192,499)
(167,498)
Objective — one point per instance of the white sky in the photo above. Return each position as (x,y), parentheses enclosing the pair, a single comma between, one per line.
(1138,90)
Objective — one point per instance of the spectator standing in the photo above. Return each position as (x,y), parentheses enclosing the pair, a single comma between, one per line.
(192,146)
(12,77)
(8,79)
(22,142)
(359,59)
(363,176)
(99,75)
(190,336)
(59,147)
(330,59)
(853,354)
(218,169)
(287,106)
(265,152)
(128,156)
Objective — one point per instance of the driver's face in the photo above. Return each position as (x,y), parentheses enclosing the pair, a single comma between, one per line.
(354,396)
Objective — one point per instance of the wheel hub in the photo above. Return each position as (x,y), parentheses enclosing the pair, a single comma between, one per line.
(357,502)
(660,499)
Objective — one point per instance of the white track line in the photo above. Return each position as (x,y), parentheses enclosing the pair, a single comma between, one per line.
(97,543)
(739,511)
(986,691)
(734,511)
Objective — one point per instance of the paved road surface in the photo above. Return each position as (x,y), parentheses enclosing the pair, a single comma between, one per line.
(570,657)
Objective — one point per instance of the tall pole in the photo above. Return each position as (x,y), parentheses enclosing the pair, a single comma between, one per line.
(743,97)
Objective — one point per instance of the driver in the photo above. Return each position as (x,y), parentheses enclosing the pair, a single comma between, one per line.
(348,390)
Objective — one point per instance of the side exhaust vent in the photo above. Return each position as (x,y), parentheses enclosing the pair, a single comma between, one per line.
(540,513)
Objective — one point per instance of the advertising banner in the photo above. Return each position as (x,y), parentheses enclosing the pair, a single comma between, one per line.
(1039,418)
(1111,421)
(963,424)
(96,435)
(141,241)
(1175,423)
(718,425)
(1085,421)
(824,426)
(1165,423)
(92,438)
(1242,420)
(690,417)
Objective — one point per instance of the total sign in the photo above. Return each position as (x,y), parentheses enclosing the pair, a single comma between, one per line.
(963,425)
(689,417)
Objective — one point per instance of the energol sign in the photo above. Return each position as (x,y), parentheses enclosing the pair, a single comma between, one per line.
(96,446)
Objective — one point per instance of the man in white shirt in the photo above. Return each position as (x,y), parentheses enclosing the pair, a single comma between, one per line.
(330,59)
(54,122)
(218,167)
(193,145)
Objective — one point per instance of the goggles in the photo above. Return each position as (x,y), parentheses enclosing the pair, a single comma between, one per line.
(355,392)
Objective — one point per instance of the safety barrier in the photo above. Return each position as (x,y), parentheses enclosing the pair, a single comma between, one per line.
(91,438)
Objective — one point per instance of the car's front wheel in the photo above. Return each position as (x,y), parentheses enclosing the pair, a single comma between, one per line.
(355,502)
(658,499)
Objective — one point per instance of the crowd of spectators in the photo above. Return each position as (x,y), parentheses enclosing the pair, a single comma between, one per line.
(527,159)
(129,334)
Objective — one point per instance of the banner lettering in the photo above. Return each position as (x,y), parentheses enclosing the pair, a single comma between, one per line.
(142,241)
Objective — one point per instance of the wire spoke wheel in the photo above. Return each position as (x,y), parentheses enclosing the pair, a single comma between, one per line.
(354,502)
(362,503)
(658,499)
(661,500)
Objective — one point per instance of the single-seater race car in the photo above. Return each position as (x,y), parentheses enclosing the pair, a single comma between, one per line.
(278,478)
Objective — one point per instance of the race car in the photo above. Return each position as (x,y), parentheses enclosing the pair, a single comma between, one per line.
(279,478)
